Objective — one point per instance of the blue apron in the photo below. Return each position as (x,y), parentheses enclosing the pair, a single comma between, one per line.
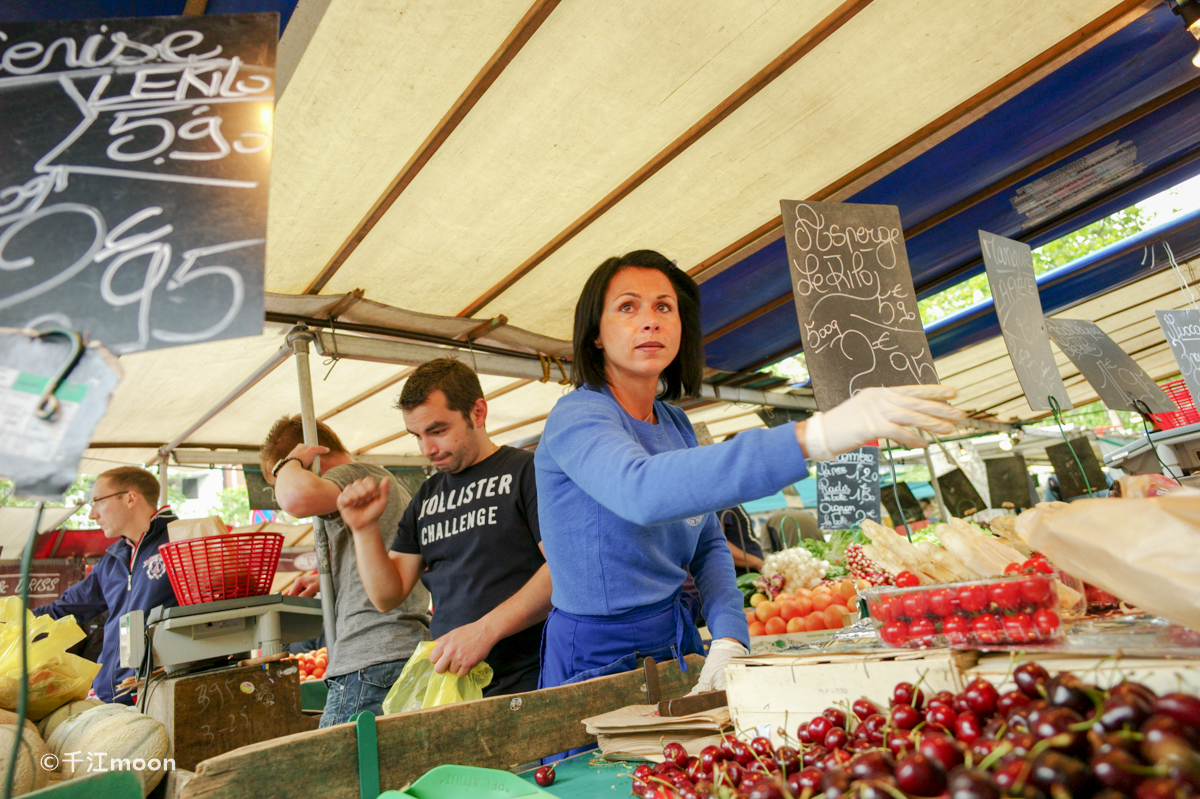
(577,648)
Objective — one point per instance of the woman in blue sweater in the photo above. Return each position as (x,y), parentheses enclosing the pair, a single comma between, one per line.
(626,498)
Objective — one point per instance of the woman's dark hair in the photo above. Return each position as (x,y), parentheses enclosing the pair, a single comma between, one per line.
(683,376)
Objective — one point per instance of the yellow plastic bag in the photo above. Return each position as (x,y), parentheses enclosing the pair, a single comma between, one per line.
(55,676)
(419,686)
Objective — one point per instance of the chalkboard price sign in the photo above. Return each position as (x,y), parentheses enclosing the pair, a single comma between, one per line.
(854,299)
(1120,382)
(1182,329)
(133,176)
(848,489)
(1014,290)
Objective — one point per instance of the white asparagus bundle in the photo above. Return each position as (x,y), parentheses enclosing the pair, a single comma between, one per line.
(1004,528)
(980,552)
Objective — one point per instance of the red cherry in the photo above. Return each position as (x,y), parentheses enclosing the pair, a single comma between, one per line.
(942,714)
(906,693)
(967,727)
(819,727)
(1010,701)
(864,707)
(836,716)
(675,753)
(981,697)
(763,748)
(836,738)
(709,757)
(544,776)
(906,717)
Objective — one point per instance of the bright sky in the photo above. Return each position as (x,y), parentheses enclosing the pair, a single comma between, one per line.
(1185,197)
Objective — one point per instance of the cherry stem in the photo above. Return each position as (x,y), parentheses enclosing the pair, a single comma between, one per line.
(1000,751)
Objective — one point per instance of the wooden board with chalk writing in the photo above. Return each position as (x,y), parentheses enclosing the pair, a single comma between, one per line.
(133,176)
(848,489)
(1014,290)
(1120,382)
(854,299)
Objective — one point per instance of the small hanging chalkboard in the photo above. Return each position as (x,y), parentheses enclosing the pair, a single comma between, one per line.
(1121,384)
(1009,267)
(959,494)
(133,172)
(854,299)
(1182,329)
(911,505)
(1070,481)
(848,489)
(1008,482)
(260,493)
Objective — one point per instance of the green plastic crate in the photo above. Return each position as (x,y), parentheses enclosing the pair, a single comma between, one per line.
(466,782)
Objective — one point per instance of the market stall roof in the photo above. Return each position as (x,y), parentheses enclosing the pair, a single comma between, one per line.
(481,165)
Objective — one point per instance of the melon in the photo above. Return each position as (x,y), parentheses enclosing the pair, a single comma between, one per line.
(48,725)
(9,717)
(58,740)
(122,739)
(29,774)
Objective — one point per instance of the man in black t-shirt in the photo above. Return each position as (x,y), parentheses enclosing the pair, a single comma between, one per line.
(470,535)
(739,535)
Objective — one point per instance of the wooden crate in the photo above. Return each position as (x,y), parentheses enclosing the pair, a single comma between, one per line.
(770,692)
(501,732)
(1160,674)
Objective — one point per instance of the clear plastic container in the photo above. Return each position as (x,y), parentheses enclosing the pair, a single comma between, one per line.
(1006,610)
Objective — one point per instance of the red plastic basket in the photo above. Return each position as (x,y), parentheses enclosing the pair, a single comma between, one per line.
(222,566)
(1187,413)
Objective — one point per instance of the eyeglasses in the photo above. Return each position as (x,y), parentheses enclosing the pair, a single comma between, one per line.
(97,500)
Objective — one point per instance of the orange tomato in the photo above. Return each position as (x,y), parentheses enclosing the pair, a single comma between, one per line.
(814,621)
(848,590)
(756,628)
(784,597)
(804,605)
(803,592)
(789,610)
(833,617)
(796,625)
(820,601)
(775,626)
(766,610)
(750,617)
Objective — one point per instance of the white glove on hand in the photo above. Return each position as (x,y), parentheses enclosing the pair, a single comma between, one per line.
(712,676)
(881,413)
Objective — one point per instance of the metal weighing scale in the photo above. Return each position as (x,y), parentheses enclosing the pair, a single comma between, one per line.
(189,636)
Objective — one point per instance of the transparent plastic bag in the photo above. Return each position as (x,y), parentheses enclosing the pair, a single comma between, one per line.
(418,686)
(55,676)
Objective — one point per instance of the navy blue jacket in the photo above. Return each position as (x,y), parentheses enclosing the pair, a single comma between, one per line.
(112,586)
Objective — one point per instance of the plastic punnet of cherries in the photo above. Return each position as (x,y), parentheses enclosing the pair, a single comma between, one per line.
(1050,738)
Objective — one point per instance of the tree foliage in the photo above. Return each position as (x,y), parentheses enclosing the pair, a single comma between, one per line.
(1052,255)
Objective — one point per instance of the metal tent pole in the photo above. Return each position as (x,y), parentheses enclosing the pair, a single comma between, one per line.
(163,460)
(300,337)
(937,488)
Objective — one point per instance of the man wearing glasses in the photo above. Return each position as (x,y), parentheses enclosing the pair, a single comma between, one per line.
(130,576)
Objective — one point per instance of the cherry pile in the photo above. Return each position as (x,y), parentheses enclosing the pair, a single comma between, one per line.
(1008,610)
(1050,738)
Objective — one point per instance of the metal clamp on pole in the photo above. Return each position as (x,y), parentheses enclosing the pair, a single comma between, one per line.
(300,337)
(47,406)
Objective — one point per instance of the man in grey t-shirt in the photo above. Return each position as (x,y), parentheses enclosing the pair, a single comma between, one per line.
(370,648)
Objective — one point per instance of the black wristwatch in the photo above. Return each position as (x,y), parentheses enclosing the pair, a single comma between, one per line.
(278,466)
